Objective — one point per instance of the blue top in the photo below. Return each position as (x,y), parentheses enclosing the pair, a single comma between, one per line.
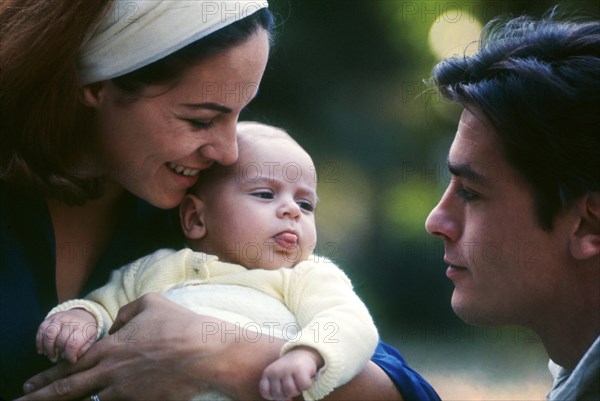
(28,287)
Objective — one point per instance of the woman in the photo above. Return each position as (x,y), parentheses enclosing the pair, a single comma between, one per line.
(106,123)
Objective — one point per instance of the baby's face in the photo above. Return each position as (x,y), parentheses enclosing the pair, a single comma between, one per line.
(261,215)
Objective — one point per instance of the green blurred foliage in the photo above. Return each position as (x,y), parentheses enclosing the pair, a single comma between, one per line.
(348,80)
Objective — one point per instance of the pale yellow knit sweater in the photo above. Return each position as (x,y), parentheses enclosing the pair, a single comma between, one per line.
(332,318)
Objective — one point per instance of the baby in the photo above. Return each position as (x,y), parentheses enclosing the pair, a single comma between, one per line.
(250,229)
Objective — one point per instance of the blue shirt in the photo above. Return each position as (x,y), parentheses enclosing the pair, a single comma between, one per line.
(28,287)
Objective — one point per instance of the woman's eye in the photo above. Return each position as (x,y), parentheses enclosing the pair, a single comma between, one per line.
(263,195)
(305,205)
(200,125)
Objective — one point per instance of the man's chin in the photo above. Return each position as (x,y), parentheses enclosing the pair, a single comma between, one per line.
(470,312)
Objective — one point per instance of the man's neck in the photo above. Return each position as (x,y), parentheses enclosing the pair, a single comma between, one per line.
(573,327)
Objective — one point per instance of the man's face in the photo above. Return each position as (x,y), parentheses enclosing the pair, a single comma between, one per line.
(504,267)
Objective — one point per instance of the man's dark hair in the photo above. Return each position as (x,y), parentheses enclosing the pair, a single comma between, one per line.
(538,83)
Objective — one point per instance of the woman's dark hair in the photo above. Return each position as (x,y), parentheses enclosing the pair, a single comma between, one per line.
(45,129)
(538,82)
(39,95)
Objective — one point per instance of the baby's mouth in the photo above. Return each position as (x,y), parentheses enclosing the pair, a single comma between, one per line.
(286,240)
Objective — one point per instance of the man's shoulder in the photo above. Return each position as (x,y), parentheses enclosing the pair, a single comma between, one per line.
(583,383)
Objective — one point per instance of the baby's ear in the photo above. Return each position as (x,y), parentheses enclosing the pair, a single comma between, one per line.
(191,214)
(585,241)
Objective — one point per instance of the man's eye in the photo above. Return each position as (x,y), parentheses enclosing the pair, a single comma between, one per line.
(466,194)
(306,206)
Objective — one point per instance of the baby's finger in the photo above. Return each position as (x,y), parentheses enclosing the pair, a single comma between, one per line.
(70,340)
(61,342)
(264,387)
(48,334)
(276,390)
(39,346)
(78,342)
(302,381)
(70,350)
(289,387)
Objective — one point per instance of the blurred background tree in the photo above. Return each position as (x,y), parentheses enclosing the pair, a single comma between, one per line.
(347,78)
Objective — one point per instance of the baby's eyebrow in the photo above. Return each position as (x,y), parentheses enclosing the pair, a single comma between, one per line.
(466,171)
(258,179)
(272,180)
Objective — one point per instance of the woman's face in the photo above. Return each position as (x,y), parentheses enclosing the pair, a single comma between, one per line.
(155,145)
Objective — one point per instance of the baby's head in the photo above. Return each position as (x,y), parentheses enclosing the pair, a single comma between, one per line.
(258,212)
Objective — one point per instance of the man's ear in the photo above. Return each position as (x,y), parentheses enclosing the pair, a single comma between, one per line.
(585,240)
(191,214)
(92,94)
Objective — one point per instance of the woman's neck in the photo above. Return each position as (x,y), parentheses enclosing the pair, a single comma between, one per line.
(82,233)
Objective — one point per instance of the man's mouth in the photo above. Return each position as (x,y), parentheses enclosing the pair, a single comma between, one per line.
(454,271)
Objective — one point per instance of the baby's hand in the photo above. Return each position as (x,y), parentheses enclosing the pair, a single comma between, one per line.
(67,335)
(291,374)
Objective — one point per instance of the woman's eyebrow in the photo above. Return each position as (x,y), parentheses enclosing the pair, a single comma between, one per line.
(209,106)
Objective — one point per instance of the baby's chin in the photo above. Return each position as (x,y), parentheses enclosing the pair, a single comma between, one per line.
(274,263)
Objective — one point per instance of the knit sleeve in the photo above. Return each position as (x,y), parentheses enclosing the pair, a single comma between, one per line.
(333,320)
(101,315)
(125,285)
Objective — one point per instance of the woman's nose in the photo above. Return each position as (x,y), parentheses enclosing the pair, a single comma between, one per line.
(222,148)
(442,222)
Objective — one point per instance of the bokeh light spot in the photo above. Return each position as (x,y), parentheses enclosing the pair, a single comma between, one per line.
(454,32)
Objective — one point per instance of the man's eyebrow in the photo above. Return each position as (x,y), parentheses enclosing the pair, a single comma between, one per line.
(466,171)
(209,106)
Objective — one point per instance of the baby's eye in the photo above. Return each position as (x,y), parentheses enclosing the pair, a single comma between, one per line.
(306,205)
(263,194)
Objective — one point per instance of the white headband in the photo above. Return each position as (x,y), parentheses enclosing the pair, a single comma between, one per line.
(135,33)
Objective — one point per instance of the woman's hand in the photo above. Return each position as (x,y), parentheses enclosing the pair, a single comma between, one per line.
(159,350)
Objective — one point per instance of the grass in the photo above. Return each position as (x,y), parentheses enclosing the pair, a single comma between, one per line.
(469,363)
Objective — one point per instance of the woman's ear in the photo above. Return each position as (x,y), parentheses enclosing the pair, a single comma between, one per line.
(585,241)
(92,94)
(191,214)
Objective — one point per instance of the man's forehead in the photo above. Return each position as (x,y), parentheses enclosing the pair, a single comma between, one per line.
(476,153)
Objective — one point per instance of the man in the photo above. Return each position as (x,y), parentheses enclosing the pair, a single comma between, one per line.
(520,219)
